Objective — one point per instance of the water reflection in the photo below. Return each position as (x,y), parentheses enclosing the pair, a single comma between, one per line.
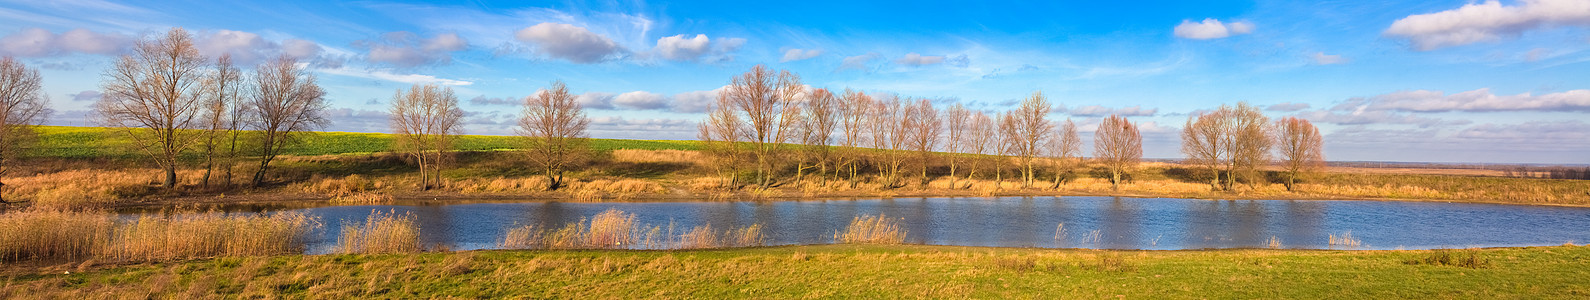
(1088,222)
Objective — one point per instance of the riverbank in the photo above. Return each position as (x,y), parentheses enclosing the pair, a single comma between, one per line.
(83,167)
(842,271)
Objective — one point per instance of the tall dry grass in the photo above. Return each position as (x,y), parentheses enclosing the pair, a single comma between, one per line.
(340,187)
(615,229)
(50,234)
(870,229)
(382,232)
(86,188)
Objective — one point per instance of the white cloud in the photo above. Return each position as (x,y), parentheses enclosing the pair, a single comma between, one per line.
(695,101)
(406,49)
(858,62)
(799,54)
(246,48)
(1540,131)
(389,76)
(357,120)
(37,42)
(1100,111)
(594,100)
(569,42)
(916,60)
(1323,59)
(1488,21)
(483,100)
(650,129)
(1480,100)
(680,48)
(1211,29)
(641,100)
(730,44)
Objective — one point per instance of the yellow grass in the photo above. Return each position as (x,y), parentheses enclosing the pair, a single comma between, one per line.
(338,187)
(870,229)
(48,234)
(382,232)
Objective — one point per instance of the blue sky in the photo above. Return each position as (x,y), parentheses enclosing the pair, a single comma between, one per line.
(1440,81)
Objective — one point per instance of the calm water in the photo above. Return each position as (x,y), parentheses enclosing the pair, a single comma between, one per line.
(1089,222)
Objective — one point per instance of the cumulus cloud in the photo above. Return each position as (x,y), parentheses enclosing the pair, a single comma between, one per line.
(247,48)
(87,96)
(569,42)
(1488,21)
(640,100)
(1211,29)
(1324,59)
(1480,100)
(406,49)
(594,100)
(507,101)
(1287,107)
(394,77)
(858,62)
(694,101)
(799,54)
(37,42)
(680,48)
(1100,111)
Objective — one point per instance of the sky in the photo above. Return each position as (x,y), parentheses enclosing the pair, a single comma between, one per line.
(1412,81)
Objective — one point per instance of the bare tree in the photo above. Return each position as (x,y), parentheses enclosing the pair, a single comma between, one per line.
(982,140)
(1301,147)
(720,136)
(222,95)
(1008,145)
(926,131)
(554,124)
(1203,141)
(287,103)
(1249,145)
(1119,146)
(23,105)
(1064,147)
(955,142)
(854,111)
(1030,127)
(765,101)
(153,96)
(885,122)
(425,120)
(819,114)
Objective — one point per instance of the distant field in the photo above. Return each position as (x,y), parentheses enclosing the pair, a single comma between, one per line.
(96,142)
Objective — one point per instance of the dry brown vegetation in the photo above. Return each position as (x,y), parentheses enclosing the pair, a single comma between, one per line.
(615,229)
(382,232)
(49,234)
(871,229)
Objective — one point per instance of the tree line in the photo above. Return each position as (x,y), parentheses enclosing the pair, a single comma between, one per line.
(768,120)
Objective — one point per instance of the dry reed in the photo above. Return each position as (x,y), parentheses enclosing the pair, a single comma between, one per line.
(870,229)
(1345,240)
(363,198)
(382,232)
(43,234)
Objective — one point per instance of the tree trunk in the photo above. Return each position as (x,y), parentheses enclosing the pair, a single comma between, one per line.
(259,176)
(1115,179)
(171,177)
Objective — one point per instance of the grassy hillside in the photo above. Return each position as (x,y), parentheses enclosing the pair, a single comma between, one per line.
(100,142)
(840,271)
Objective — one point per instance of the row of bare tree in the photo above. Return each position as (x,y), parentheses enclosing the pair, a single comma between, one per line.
(426,121)
(770,120)
(170,100)
(1234,143)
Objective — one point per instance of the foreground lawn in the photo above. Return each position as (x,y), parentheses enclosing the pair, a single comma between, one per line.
(847,271)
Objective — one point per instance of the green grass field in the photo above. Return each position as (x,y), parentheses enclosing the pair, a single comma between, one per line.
(834,271)
(100,142)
